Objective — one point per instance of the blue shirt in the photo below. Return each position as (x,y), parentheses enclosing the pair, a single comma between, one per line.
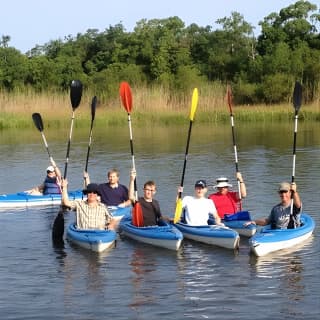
(279,217)
(113,196)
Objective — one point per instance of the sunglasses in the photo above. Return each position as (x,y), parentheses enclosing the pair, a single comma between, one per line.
(283,191)
(95,192)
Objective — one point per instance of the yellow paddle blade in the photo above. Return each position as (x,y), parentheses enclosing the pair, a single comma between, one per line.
(194,103)
(177,214)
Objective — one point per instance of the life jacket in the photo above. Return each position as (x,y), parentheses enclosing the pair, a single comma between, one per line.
(51,186)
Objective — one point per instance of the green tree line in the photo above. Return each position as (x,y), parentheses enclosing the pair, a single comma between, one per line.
(165,52)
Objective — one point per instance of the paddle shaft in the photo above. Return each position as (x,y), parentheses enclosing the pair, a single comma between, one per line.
(185,158)
(132,155)
(297,98)
(294,146)
(68,147)
(234,143)
(93,110)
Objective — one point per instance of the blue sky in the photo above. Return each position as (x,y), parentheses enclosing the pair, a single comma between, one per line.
(33,22)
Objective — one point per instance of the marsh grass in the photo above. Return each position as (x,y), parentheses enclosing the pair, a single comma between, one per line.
(154,105)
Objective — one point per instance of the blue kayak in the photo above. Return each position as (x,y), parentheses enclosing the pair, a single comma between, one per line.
(236,222)
(23,199)
(95,240)
(238,226)
(118,212)
(211,234)
(269,240)
(164,235)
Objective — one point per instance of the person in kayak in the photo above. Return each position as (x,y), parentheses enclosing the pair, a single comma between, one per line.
(226,201)
(90,213)
(280,216)
(112,193)
(150,207)
(51,183)
(197,208)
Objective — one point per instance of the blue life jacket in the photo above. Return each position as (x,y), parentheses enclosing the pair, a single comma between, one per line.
(51,186)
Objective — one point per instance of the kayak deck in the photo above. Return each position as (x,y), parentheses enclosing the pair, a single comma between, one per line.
(23,199)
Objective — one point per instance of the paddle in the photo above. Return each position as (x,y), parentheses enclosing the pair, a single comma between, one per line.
(194,103)
(126,98)
(297,98)
(75,97)
(93,113)
(36,117)
(229,98)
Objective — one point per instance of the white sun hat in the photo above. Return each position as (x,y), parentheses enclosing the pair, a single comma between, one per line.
(222,182)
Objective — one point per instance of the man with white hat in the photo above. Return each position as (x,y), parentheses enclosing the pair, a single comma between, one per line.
(281,216)
(226,201)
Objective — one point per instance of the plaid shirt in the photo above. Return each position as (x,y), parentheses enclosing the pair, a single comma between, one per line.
(89,217)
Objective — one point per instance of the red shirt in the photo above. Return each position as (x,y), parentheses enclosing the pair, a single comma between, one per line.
(226,203)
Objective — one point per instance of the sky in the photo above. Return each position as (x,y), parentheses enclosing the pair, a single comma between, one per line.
(36,22)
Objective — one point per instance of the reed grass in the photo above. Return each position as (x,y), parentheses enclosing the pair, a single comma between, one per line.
(152,105)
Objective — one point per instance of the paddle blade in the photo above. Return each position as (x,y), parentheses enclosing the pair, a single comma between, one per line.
(177,214)
(93,107)
(126,96)
(194,103)
(36,117)
(137,215)
(58,227)
(297,96)
(75,93)
(229,98)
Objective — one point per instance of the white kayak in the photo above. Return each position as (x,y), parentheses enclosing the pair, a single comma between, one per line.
(24,199)
(270,240)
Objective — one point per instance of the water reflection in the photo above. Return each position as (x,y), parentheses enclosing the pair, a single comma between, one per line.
(143,268)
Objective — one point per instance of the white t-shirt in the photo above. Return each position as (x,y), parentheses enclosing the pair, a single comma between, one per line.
(197,210)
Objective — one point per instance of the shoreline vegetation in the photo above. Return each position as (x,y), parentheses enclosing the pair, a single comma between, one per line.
(150,105)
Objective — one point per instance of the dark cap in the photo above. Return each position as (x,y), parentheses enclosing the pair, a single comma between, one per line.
(201,183)
(91,187)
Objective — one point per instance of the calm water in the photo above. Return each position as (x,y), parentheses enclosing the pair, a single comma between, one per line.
(136,281)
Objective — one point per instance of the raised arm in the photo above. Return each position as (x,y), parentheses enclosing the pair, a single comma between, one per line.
(243,189)
(65,198)
(131,195)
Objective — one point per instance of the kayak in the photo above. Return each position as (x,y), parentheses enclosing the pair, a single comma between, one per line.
(95,240)
(23,199)
(118,212)
(211,234)
(269,240)
(164,235)
(238,226)
(236,222)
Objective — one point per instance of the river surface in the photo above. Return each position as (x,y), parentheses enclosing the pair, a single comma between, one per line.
(136,281)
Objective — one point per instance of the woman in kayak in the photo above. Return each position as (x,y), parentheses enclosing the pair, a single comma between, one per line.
(226,201)
(51,183)
(280,216)
(90,213)
(197,208)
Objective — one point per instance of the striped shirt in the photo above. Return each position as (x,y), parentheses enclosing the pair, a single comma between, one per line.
(91,217)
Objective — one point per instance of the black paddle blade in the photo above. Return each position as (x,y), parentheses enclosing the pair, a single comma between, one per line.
(75,93)
(297,96)
(93,107)
(58,227)
(36,117)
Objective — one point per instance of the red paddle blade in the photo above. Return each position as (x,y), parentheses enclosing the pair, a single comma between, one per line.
(126,96)
(137,215)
